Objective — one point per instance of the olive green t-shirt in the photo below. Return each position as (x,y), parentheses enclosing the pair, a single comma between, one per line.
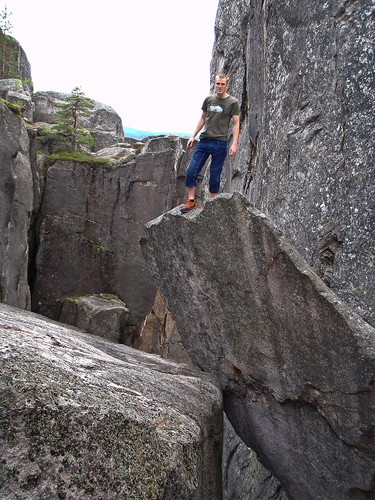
(219,113)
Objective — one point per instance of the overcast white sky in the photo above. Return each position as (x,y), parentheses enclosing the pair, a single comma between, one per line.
(148,59)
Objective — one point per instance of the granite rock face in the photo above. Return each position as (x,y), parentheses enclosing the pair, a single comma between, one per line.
(20,66)
(244,477)
(16,199)
(159,334)
(105,124)
(303,72)
(296,365)
(83,417)
(91,220)
(44,105)
(102,314)
(17,92)
(24,68)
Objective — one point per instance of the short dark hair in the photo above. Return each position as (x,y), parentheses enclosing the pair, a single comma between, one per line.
(222,75)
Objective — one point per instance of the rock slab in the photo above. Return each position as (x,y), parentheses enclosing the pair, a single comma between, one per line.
(82,417)
(16,202)
(100,314)
(296,365)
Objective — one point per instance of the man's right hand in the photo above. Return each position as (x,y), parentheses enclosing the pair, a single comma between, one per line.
(198,128)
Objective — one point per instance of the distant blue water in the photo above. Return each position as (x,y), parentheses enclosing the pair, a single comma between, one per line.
(141,134)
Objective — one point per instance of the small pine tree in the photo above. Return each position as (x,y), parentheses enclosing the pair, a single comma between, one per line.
(9,48)
(68,131)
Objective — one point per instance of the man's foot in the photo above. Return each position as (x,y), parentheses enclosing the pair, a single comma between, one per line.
(190,205)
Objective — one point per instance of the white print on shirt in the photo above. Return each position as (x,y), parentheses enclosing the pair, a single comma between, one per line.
(216,109)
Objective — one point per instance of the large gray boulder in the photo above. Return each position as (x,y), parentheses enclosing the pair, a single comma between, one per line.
(45,108)
(105,126)
(303,72)
(91,220)
(16,201)
(104,123)
(296,365)
(86,418)
(100,314)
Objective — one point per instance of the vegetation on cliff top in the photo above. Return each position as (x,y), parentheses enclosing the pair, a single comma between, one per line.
(75,156)
(16,107)
(67,133)
(9,48)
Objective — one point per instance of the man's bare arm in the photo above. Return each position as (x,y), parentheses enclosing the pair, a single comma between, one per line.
(198,128)
(236,131)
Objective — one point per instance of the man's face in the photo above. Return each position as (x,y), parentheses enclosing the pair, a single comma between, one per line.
(221,86)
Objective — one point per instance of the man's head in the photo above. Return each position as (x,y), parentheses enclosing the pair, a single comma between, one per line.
(221,85)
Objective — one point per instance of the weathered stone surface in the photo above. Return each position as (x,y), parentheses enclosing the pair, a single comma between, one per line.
(16,198)
(244,477)
(24,68)
(102,314)
(82,417)
(116,154)
(303,72)
(106,125)
(92,218)
(104,118)
(44,105)
(305,156)
(159,334)
(296,364)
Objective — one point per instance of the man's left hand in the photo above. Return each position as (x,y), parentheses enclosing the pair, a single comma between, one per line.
(232,150)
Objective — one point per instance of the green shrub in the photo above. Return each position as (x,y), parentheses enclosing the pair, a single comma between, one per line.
(16,107)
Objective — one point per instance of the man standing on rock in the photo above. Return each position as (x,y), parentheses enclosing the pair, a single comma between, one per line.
(217,111)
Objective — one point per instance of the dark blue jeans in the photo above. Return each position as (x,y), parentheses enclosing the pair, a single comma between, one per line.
(205,148)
